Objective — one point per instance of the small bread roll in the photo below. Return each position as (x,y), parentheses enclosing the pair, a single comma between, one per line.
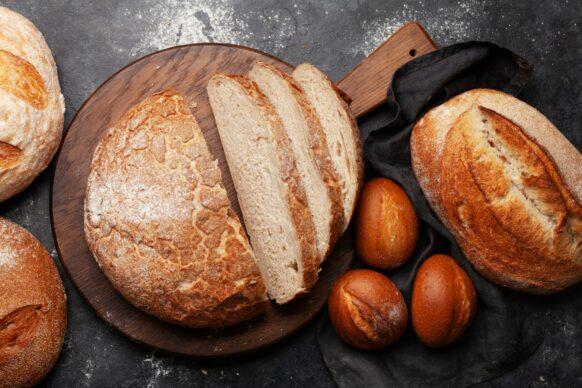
(387,227)
(31,104)
(33,315)
(444,301)
(367,309)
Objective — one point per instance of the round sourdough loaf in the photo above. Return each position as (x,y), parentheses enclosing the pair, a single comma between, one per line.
(31,104)
(159,222)
(508,185)
(33,315)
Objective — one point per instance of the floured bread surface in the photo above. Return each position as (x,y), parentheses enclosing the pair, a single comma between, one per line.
(507,186)
(309,145)
(340,130)
(33,308)
(270,193)
(159,222)
(31,103)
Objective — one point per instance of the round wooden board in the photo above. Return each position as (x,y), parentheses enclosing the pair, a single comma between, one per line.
(187,70)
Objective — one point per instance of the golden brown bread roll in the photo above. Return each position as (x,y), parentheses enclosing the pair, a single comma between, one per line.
(508,185)
(387,227)
(367,309)
(33,315)
(31,104)
(444,301)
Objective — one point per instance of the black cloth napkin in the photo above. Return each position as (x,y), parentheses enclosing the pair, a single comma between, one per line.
(501,335)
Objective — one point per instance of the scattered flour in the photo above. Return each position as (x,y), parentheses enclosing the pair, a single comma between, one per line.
(7,257)
(178,22)
(88,371)
(447,25)
(158,369)
(181,22)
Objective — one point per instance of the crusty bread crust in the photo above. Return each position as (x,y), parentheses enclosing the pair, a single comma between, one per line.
(31,104)
(159,222)
(319,151)
(33,311)
(507,184)
(429,135)
(359,160)
(302,218)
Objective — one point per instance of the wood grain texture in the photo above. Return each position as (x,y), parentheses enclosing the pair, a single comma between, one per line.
(186,69)
(367,83)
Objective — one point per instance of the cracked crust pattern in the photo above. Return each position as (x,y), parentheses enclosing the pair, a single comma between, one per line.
(159,222)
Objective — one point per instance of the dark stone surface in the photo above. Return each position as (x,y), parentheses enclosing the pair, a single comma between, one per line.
(92,39)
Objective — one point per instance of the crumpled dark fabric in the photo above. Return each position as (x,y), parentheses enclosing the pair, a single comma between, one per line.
(501,335)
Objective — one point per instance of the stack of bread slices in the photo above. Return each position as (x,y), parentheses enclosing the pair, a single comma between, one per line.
(293,151)
(157,216)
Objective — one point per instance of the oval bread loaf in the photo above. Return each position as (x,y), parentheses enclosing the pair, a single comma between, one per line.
(33,315)
(508,185)
(159,222)
(31,104)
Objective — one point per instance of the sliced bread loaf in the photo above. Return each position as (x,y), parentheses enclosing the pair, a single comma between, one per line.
(309,145)
(159,222)
(269,188)
(340,129)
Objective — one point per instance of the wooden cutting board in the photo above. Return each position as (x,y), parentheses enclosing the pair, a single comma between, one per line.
(187,69)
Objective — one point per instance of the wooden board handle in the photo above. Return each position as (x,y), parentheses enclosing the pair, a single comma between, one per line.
(367,83)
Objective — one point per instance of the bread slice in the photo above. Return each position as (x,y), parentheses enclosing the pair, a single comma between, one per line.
(340,130)
(507,184)
(269,189)
(309,145)
(159,223)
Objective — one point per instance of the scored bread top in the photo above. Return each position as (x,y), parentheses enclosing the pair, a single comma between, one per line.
(340,130)
(505,182)
(33,314)
(159,222)
(31,103)
(509,206)
(308,140)
(430,132)
(258,150)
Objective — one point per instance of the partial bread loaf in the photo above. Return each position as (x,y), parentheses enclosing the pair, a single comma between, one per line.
(33,315)
(508,185)
(159,222)
(340,131)
(269,188)
(311,151)
(31,104)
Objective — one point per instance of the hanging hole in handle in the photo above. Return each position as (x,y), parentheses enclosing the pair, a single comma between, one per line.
(412,53)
